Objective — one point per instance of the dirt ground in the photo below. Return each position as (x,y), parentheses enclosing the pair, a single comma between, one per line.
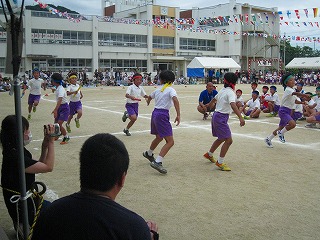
(269,194)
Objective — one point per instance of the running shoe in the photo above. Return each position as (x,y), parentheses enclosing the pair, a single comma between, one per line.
(68,128)
(147,156)
(65,140)
(211,159)
(125,116)
(158,167)
(77,122)
(268,142)
(281,137)
(223,166)
(126,131)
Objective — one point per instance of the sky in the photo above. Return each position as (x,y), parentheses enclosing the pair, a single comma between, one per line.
(93,7)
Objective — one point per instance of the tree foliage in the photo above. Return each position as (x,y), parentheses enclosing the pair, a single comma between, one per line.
(287,52)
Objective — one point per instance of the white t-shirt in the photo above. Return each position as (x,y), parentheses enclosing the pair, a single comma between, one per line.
(35,86)
(163,100)
(298,107)
(73,88)
(273,98)
(317,101)
(224,97)
(288,100)
(253,104)
(240,99)
(60,92)
(137,92)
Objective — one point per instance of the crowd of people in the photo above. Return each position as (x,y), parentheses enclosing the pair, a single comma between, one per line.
(104,159)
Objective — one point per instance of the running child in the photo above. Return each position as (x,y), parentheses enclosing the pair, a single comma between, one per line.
(165,96)
(225,102)
(61,111)
(273,101)
(287,105)
(133,94)
(35,85)
(75,105)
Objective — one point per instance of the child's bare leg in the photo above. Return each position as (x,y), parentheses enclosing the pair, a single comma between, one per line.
(165,149)
(62,129)
(69,119)
(216,144)
(225,146)
(79,115)
(132,118)
(155,142)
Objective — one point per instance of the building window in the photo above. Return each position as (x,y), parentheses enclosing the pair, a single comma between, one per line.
(163,42)
(49,36)
(197,44)
(122,40)
(123,65)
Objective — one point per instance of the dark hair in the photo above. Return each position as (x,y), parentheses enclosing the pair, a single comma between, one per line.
(9,134)
(57,77)
(136,75)
(167,76)
(255,92)
(284,77)
(231,79)
(239,90)
(265,87)
(254,83)
(103,161)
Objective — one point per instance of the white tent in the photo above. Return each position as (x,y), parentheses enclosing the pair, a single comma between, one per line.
(307,63)
(197,66)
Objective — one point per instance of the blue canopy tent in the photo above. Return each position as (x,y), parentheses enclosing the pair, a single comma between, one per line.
(198,65)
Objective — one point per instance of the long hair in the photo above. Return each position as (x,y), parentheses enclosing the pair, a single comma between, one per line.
(9,133)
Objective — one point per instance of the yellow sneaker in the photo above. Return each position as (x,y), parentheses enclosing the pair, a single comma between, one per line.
(34,108)
(29,116)
(68,128)
(223,166)
(77,122)
(211,159)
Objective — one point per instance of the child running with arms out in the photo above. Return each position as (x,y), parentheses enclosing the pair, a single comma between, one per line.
(165,96)
(287,106)
(75,105)
(61,111)
(133,94)
(35,85)
(225,103)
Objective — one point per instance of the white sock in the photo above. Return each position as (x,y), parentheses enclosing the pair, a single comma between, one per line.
(150,152)
(220,160)
(271,137)
(159,159)
(210,154)
(283,130)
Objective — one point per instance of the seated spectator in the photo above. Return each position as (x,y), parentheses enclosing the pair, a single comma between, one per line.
(273,102)
(10,165)
(263,103)
(314,118)
(310,107)
(239,99)
(205,98)
(253,105)
(92,213)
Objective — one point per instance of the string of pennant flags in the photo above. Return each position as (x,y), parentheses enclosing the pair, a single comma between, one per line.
(188,24)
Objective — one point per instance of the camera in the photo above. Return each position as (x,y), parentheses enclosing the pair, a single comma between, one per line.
(56,132)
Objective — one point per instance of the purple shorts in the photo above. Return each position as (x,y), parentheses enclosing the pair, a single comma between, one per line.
(63,113)
(33,98)
(74,107)
(276,108)
(132,108)
(248,113)
(285,116)
(318,117)
(219,125)
(160,123)
(296,115)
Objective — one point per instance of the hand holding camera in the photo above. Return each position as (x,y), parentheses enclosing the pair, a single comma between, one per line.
(52,130)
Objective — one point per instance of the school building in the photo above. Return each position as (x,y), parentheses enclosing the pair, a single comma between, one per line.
(138,34)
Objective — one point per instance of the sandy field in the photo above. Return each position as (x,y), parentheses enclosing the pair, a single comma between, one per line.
(269,194)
